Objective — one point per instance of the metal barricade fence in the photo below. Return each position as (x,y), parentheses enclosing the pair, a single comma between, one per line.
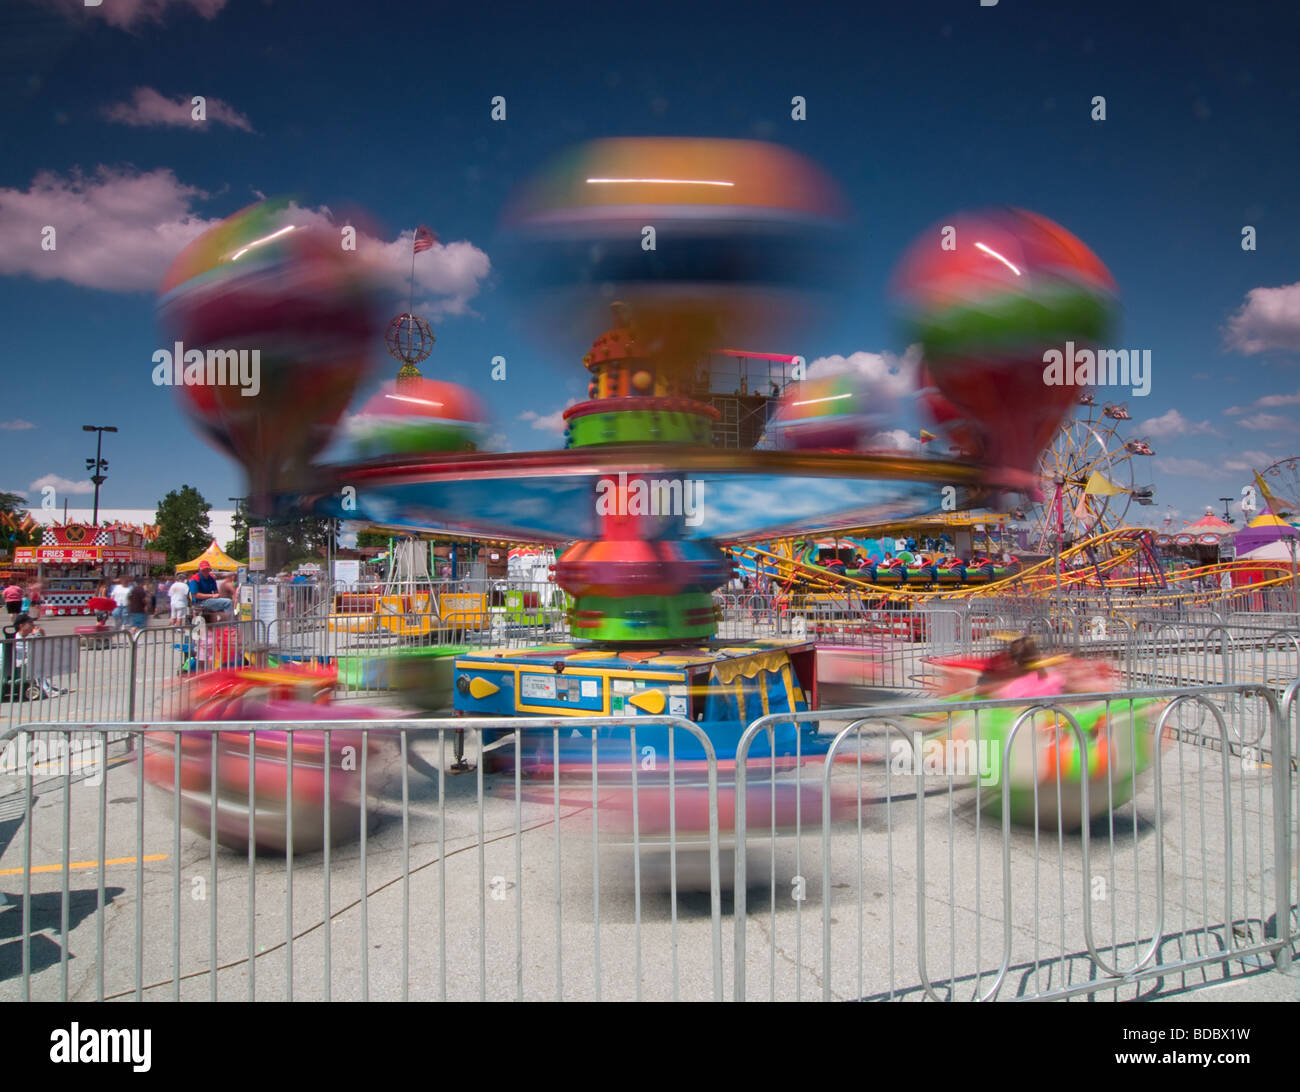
(1194,874)
(115,675)
(1291,718)
(378,621)
(484,886)
(162,658)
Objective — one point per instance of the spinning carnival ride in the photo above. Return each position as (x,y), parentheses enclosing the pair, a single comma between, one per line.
(638,492)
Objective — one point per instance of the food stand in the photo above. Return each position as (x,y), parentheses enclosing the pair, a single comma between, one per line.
(73,560)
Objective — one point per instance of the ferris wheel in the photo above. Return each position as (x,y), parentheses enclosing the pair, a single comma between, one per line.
(1283,481)
(1090,465)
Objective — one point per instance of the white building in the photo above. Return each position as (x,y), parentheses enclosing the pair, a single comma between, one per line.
(221,521)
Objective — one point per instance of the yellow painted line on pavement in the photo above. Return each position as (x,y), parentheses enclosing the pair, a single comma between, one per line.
(77,865)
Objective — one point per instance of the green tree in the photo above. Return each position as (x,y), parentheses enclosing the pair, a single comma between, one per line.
(373,538)
(12,512)
(182,525)
(297,540)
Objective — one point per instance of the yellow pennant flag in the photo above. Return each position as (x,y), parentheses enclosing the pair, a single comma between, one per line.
(1099,486)
(1279,507)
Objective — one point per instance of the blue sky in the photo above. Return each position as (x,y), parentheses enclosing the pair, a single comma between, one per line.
(917,109)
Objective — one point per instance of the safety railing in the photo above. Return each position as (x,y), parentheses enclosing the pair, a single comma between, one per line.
(117,674)
(389,876)
(588,859)
(1100,883)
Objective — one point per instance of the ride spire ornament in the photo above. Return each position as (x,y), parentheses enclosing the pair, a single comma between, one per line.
(410,340)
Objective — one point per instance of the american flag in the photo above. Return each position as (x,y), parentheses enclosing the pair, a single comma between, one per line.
(424,239)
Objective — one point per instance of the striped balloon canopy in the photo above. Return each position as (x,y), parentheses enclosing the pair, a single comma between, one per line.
(709,242)
(270,297)
(988,295)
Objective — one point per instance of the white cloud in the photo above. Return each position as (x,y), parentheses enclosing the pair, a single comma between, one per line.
(1279,400)
(1174,423)
(124,14)
(548,422)
(16,425)
(61,485)
(1249,460)
(897,439)
(446,277)
(1267,400)
(1188,468)
(1263,422)
(115,230)
(1269,319)
(150,107)
(118,230)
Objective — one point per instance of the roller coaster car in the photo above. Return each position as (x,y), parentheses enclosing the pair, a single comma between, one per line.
(892,571)
(951,570)
(983,569)
(922,573)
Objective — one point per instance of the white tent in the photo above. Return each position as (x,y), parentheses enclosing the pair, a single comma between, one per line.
(1277,550)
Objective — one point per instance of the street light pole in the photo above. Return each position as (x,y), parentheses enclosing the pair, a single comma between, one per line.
(99,465)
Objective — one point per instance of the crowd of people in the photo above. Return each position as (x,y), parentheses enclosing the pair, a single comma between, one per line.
(196,605)
(137,599)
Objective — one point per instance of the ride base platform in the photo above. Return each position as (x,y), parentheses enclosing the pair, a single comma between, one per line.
(721,686)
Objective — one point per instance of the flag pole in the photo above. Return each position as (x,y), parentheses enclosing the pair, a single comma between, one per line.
(410,298)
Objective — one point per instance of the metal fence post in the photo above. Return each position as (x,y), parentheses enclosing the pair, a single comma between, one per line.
(130,675)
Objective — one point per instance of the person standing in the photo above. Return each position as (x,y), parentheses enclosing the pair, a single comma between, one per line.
(119,593)
(35,599)
(14,599)
(137,601)
(178,596)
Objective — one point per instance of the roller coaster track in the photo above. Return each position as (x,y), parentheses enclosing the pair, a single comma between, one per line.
(1085,566)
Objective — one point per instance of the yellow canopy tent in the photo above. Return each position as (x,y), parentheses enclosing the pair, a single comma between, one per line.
(215,556)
